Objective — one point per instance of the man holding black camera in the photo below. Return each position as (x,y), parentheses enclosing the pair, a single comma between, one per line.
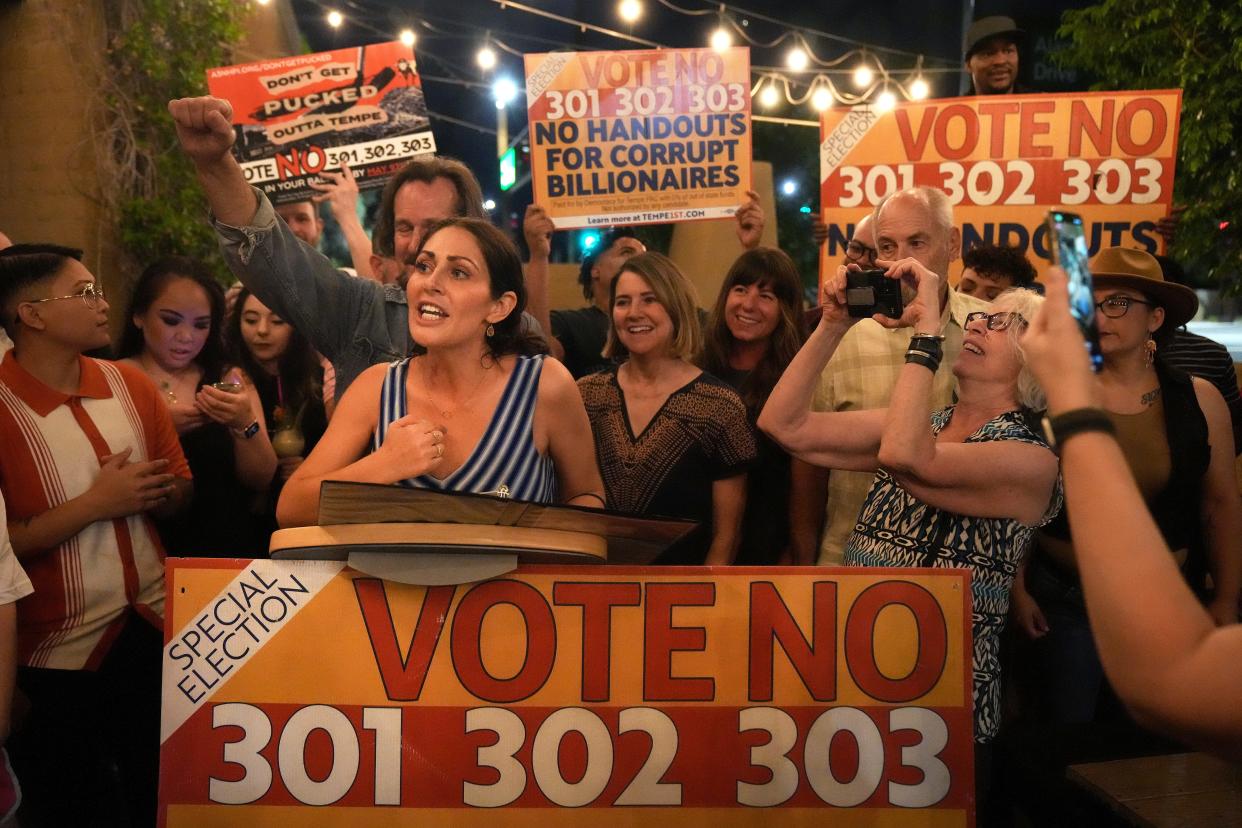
(913,228)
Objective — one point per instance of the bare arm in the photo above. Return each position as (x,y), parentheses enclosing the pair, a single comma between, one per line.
(1004,479)
(341,193)
(537,228)
(561,415)
(408,451)
(1175,669)
(254,459)
(1221,510)
(728,507)
(808,492)
(8,666)
(750,220)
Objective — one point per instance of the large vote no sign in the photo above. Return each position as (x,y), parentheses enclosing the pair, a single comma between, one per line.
(306,693)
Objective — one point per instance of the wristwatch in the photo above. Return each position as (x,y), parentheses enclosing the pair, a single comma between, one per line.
(247,432)
(1063,426)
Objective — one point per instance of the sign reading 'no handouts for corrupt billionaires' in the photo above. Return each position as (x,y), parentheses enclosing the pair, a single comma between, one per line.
(305,693)
(298,116)
(1004,160)
(639,137)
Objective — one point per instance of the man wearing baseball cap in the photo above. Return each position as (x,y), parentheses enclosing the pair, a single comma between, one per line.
(992,56)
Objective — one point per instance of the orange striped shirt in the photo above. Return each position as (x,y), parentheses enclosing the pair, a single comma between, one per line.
(51,447)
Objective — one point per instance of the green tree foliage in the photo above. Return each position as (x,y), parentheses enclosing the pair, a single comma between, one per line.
(1194,45)
(160,50)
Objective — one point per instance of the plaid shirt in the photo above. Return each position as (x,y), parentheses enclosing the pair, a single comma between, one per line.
(861,375)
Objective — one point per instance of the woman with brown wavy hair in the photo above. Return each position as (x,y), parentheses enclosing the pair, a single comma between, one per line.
(755,329)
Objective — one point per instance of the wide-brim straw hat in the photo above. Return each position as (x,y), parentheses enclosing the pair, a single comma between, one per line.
(1139,270)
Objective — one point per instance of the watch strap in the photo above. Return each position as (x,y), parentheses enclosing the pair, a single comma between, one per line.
(1063,426)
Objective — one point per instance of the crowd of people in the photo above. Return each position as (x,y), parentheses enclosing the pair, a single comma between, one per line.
(792,436)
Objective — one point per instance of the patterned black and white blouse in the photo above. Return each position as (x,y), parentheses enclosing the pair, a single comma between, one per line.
(895,529)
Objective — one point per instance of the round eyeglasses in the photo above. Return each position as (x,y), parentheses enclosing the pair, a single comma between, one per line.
(858,253)
(998,321)
(91,294)
(1115,307)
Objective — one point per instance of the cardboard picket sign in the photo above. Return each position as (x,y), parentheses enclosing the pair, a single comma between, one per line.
(1004,161)
(639,137)
(304,693)
(298,116)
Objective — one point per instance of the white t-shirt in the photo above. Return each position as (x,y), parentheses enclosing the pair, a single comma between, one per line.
(13,581)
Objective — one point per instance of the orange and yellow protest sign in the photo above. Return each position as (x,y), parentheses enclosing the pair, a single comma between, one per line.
(304,693)
(1004,160)
(298,116)
(639,137)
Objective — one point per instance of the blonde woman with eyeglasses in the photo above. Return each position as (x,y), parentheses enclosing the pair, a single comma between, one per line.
(964,487)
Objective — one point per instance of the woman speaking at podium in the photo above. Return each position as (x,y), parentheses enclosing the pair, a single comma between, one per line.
(479,408)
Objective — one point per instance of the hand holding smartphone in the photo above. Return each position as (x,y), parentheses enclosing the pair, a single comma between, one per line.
(1069,251)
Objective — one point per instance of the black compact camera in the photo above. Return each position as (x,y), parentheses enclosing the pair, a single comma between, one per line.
(868,292)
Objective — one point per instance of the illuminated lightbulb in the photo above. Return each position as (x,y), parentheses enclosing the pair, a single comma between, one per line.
(721,39)
(769,96)
(408,38)
(822,99)
(504,90)
(486,58)
(489,205)
(789,186)
(886,101)
(630,10)
(797,59)
(863,76)
(919,89)
(262,2)
(335,19)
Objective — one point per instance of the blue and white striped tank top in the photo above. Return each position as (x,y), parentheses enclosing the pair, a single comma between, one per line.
(505,461)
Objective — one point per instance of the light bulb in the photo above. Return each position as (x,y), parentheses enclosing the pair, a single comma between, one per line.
(721,39)
(769,96)
(886,101)
(335,19)
(863,76)
(797,59)
(407,38)
(486,58)
(822,99)
(919,89)
(630,10)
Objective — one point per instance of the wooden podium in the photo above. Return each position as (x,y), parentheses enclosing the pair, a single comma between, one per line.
(420,536)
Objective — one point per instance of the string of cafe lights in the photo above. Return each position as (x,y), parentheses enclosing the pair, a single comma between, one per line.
(860,75)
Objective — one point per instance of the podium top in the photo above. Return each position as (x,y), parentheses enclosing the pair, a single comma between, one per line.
(479,520)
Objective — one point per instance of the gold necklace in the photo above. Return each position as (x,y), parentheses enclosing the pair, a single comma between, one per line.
(448,413)
(166,385)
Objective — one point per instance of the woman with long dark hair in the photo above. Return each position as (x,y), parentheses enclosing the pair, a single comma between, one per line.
(288,377)
(174,332)
(754,331)
(479,408)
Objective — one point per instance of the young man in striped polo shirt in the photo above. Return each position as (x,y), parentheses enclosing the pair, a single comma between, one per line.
(87,452)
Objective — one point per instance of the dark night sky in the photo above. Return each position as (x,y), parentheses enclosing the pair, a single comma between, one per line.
(933,29)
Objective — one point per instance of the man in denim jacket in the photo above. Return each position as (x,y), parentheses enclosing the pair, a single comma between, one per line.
(353,322)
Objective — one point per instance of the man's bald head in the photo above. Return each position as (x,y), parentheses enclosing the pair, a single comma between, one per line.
(918,223)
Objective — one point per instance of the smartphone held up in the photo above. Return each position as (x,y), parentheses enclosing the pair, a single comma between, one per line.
(1069,251)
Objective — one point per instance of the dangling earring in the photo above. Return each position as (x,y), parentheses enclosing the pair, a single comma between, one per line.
(1150,348)
(490,332)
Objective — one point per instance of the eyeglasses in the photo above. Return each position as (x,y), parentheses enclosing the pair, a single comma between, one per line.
(856,251)
(1115,307)
(996,321)
(91,296)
